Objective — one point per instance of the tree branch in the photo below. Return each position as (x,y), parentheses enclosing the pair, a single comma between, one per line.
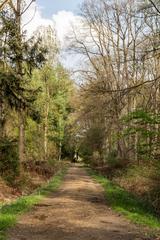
(154,5)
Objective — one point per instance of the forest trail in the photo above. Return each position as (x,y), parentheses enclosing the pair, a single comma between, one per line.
(77,211)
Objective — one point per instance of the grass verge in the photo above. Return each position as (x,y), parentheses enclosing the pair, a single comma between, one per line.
(9,213)
(127,204)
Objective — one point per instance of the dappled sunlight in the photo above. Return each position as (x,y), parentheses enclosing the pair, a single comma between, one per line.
(77,210)
(80,90)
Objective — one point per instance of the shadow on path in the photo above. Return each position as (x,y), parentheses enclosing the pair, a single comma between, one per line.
(77,211)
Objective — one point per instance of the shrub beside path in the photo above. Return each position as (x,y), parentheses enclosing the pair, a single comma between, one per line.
(77,211)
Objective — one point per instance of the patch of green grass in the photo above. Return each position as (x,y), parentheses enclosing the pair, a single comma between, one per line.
(132,207)
(9,213)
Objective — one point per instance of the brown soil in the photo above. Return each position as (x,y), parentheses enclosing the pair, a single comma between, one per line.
(77,211)
(6,193)
(30,182)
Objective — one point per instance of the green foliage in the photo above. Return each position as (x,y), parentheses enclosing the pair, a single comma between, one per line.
(31,86)
(85,152)
(112,159)
(18,59)
(92,142)
(33,140)
(141,116)
(56,88)
(9,166)
(124,202)
(144,124)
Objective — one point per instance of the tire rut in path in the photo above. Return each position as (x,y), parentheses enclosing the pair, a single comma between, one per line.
(77,211)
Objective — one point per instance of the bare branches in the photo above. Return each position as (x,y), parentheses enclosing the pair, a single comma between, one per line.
(28,6)
(128,89)
(155,6)
(2,5)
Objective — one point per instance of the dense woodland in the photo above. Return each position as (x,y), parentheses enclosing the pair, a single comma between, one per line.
(119,98)
(110,117)
(35,91)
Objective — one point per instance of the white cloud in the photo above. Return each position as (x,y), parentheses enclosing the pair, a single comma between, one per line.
(64,21)
(33,18)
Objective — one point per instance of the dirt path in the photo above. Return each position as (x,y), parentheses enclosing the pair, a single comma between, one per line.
(77,211)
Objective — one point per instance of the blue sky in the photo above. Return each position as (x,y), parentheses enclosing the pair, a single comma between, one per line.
(60,14)
(50,7)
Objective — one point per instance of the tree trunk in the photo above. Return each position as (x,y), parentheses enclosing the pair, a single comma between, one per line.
(21,140)
(45,135)
(60,151)
(46,118)
(19,72)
